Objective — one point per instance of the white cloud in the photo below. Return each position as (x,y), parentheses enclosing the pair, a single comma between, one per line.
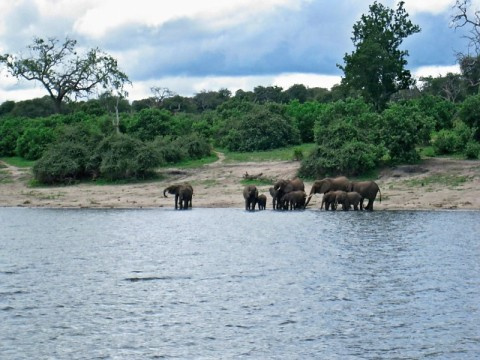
(105,15)
(429,6)
(435,71)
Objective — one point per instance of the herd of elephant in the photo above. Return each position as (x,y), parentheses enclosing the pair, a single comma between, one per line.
(291,195)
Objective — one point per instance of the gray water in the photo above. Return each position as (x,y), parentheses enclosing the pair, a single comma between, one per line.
(227,284)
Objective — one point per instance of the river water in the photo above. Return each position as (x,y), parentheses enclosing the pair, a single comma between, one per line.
(229,284)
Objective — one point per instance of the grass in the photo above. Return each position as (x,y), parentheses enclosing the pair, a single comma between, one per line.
(257,182)
(190,164)
(450,181)
(17,161)
(283,154)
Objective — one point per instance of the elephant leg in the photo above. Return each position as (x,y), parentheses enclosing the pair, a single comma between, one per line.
(370,204)
(176,201)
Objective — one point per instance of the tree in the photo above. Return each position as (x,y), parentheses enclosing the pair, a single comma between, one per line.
(62,72)
(465,16)
(160,94)
(377,66)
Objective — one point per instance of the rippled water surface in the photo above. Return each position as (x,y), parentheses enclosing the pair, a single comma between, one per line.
(224,283)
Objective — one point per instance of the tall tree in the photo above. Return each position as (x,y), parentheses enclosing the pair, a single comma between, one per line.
(63,73)
(376,67)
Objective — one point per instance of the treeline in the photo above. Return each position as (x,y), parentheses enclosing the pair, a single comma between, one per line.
(351,138)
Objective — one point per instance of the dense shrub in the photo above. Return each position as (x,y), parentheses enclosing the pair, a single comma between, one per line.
(470,114)
(351,158)
(10,131)
(450,141)
(305,115)
(439,109)
(402,129)
(150,123)
(264,127)
(124,157)
(62,163)
(168,149)
(472,150)
(33,141)
(194,146)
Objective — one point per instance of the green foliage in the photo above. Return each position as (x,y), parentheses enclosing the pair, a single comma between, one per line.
(352,158)
(169,150)
(150,123)
(472,150)
(33,142)
(377,66)
(194,146)
(6,107)
(124,157)
(450,141)
(297,154)
(10,131)
(34,108)
(470,114)
(445,141)
(63,162)
(441,110)
(305,115)
(262,127)
(402,129)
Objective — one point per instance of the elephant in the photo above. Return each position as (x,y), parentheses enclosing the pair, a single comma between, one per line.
(294,200)
(262,201)
(183,195)
(329,199)
(274,194)
(250,194)
(347,199)
(329,184)
(367,190)
(285,186)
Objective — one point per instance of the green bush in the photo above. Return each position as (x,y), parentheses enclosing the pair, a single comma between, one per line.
(125,157)
(472,150)
(194,146)
(168,149)
(62,163)
(446,142)
(147,124)
(352,158)
(10,131)
(470,114)
(33,142)
(263,127)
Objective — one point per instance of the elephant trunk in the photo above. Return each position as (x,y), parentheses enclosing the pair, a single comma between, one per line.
(164,192)
(308,199)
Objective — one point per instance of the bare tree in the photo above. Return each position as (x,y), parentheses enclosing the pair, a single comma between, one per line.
(160,94)
(466,16)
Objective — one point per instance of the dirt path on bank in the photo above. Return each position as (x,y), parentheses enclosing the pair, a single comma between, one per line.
(433,184)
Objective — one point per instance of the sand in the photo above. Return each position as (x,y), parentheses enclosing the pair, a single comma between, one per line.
(436,183)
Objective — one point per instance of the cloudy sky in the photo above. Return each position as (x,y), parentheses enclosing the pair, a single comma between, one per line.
(191,45)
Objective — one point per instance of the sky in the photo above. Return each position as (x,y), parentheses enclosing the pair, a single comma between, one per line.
(189,46)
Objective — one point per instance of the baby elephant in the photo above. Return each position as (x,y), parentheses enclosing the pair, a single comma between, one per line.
(262,201)
(347,199)
(294,200)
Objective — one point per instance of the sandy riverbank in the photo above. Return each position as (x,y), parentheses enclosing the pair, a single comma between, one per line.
(433,184)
